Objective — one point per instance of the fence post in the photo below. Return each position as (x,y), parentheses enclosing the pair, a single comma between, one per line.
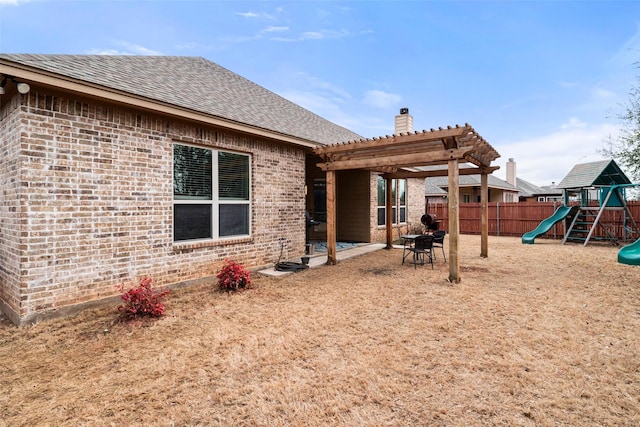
(555,229)
(497,218)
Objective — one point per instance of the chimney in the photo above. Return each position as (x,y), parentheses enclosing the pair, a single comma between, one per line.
(511,172)
(404,121)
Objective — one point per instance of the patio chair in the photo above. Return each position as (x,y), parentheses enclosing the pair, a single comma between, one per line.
(422,248)
(438,242)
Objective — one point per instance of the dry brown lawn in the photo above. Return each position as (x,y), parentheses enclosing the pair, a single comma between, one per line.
(534,335)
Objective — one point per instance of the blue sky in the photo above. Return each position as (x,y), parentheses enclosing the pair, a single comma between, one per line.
(539,80)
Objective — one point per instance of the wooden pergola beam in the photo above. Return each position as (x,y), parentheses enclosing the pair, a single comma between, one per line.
(386,151)
(395,140)
(403,160)
(402,174)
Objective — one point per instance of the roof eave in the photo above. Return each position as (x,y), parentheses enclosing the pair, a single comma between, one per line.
(44,78)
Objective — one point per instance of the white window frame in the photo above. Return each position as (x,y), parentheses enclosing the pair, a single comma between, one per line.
(215,200)
(396,206)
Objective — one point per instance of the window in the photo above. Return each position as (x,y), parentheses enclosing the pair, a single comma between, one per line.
(466,198)
(211,193)
(320,199)
(399,203)
(510,197)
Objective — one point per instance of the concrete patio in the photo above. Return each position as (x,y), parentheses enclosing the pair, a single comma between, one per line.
(320,259)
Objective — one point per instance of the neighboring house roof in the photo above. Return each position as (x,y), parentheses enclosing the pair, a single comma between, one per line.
(430,189)
(434,186)
(528,189)
(594,174)
(551,189)
(193,83)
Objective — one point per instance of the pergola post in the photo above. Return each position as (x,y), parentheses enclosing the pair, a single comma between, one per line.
(484,215)
(331,217)
(454,221)
(388,192)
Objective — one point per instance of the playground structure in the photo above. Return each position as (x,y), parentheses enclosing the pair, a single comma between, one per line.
(588,217)
(590,190)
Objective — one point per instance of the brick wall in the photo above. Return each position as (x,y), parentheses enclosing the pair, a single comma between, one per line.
(96,200)
(10,213)
(415,193)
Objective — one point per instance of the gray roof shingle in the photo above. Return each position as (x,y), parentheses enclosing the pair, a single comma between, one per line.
(528,189)
(600,173)
(196,84)
(432,184)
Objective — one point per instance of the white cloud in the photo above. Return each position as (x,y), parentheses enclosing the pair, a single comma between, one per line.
(275,29)
(548,158)
(338,110)
(324,34)
(602,94)
(283,39)
(141,50)
(380,99)
(573,123)
(13,2)
(314,35)
(107,52)
(313,101)
(313,83)
(128,49)
(256,15)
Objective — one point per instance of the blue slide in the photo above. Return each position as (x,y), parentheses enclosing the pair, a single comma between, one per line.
(546,224)
(630,254)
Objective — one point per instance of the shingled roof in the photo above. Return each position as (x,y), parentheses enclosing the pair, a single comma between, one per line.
(435,185)
(594,174)
(528,189)
(193,83)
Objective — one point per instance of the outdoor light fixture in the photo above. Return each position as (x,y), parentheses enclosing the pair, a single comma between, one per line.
(23,88)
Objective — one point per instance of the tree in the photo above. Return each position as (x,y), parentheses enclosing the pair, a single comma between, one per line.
(626,147)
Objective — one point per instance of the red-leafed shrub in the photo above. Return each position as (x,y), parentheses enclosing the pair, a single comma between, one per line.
(233,276)
(142,300)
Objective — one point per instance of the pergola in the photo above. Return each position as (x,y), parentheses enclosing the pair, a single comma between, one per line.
(405,155)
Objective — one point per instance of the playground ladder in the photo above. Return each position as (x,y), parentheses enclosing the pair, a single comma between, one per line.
(582,226)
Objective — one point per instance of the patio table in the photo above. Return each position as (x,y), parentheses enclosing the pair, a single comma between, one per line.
(407,245)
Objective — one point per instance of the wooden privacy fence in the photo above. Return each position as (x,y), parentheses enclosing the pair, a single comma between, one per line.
(515,219)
